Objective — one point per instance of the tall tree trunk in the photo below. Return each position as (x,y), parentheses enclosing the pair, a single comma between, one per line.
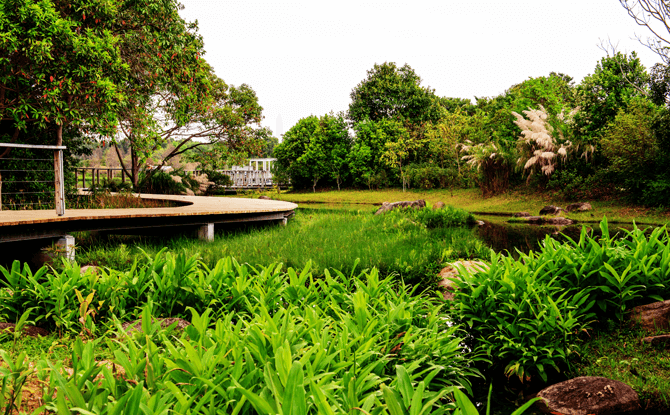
(59,135)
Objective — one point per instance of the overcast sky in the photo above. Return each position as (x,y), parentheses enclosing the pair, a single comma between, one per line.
(304,58)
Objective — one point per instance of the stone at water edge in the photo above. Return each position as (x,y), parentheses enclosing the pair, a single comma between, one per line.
(414,204)
(521,215)
(651,317)
(587,395)
(541,220)
(550,210)
(450,271)
(579,207)
(438,205)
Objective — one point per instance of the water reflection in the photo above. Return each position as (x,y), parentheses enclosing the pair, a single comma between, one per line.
(514,237)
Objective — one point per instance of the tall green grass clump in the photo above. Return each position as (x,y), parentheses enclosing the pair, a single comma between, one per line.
(327,239)
(436,218)
(529,314)
(262,340)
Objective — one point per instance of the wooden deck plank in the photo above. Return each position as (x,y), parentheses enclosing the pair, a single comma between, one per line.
(196,206)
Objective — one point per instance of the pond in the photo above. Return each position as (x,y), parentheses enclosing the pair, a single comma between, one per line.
(496,232)
(501,235)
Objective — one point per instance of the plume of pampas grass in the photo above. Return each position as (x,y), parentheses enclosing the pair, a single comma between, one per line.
(539,145)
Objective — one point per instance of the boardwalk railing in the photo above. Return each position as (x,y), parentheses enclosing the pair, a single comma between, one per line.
(58,175)
(241,179)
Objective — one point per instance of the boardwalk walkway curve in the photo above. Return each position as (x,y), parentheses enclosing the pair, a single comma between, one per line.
(196,211)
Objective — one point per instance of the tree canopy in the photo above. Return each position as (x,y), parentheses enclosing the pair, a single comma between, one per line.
(394,93)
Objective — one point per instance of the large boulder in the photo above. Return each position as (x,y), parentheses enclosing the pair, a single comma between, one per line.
(579,207)
(651,317)
(550,210)
(451,272)
(589,395)
(414,204)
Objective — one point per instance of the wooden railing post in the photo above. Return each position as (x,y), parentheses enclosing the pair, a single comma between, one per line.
(58,182)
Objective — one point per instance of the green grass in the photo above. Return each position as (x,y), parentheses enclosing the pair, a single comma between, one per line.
(620,355)
(472,200)
(339,239)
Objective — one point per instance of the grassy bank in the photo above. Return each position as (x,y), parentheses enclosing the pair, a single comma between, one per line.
(346,240)
(472,200)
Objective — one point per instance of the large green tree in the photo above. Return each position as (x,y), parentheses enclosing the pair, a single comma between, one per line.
(617,79)
(314,149)
(60,64)
(393,92)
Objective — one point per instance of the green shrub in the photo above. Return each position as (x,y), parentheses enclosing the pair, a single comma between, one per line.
(436,218)
(528,314)
(262,340)
(161,183)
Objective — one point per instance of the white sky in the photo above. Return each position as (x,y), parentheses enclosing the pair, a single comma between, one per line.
(304,58)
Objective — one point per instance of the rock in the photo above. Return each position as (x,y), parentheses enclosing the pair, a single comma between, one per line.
(550,210)
(93,269)
(663,340)
(542,220)
(265,197)
(651,317)
(136,325)
(521,215)
(31,331)
(438,205)
(480,223)
(451,271)
(578,207)
(414,204)
(589,395)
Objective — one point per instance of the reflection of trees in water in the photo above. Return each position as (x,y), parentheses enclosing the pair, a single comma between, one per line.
(512,237)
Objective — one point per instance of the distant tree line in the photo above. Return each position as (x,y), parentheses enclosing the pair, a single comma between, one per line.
(606,136)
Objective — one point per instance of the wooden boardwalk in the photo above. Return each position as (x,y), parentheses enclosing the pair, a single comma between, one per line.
(196,211)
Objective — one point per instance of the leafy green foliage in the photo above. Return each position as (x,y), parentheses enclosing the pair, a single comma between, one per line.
(436,218)
(631,149)
(262,339)
(616,80)
(527,314)
(314,149)
(393,93)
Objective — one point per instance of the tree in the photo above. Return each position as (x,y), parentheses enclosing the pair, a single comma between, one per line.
(393,93)
(655,16)
(398,151)
(60,65)
(313,149)
(290,151)
(365,157)
(445,136)
(659,84)
(630,146)
(616,80)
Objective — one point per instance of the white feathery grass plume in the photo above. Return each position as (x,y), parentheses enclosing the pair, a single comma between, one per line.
(538,144)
